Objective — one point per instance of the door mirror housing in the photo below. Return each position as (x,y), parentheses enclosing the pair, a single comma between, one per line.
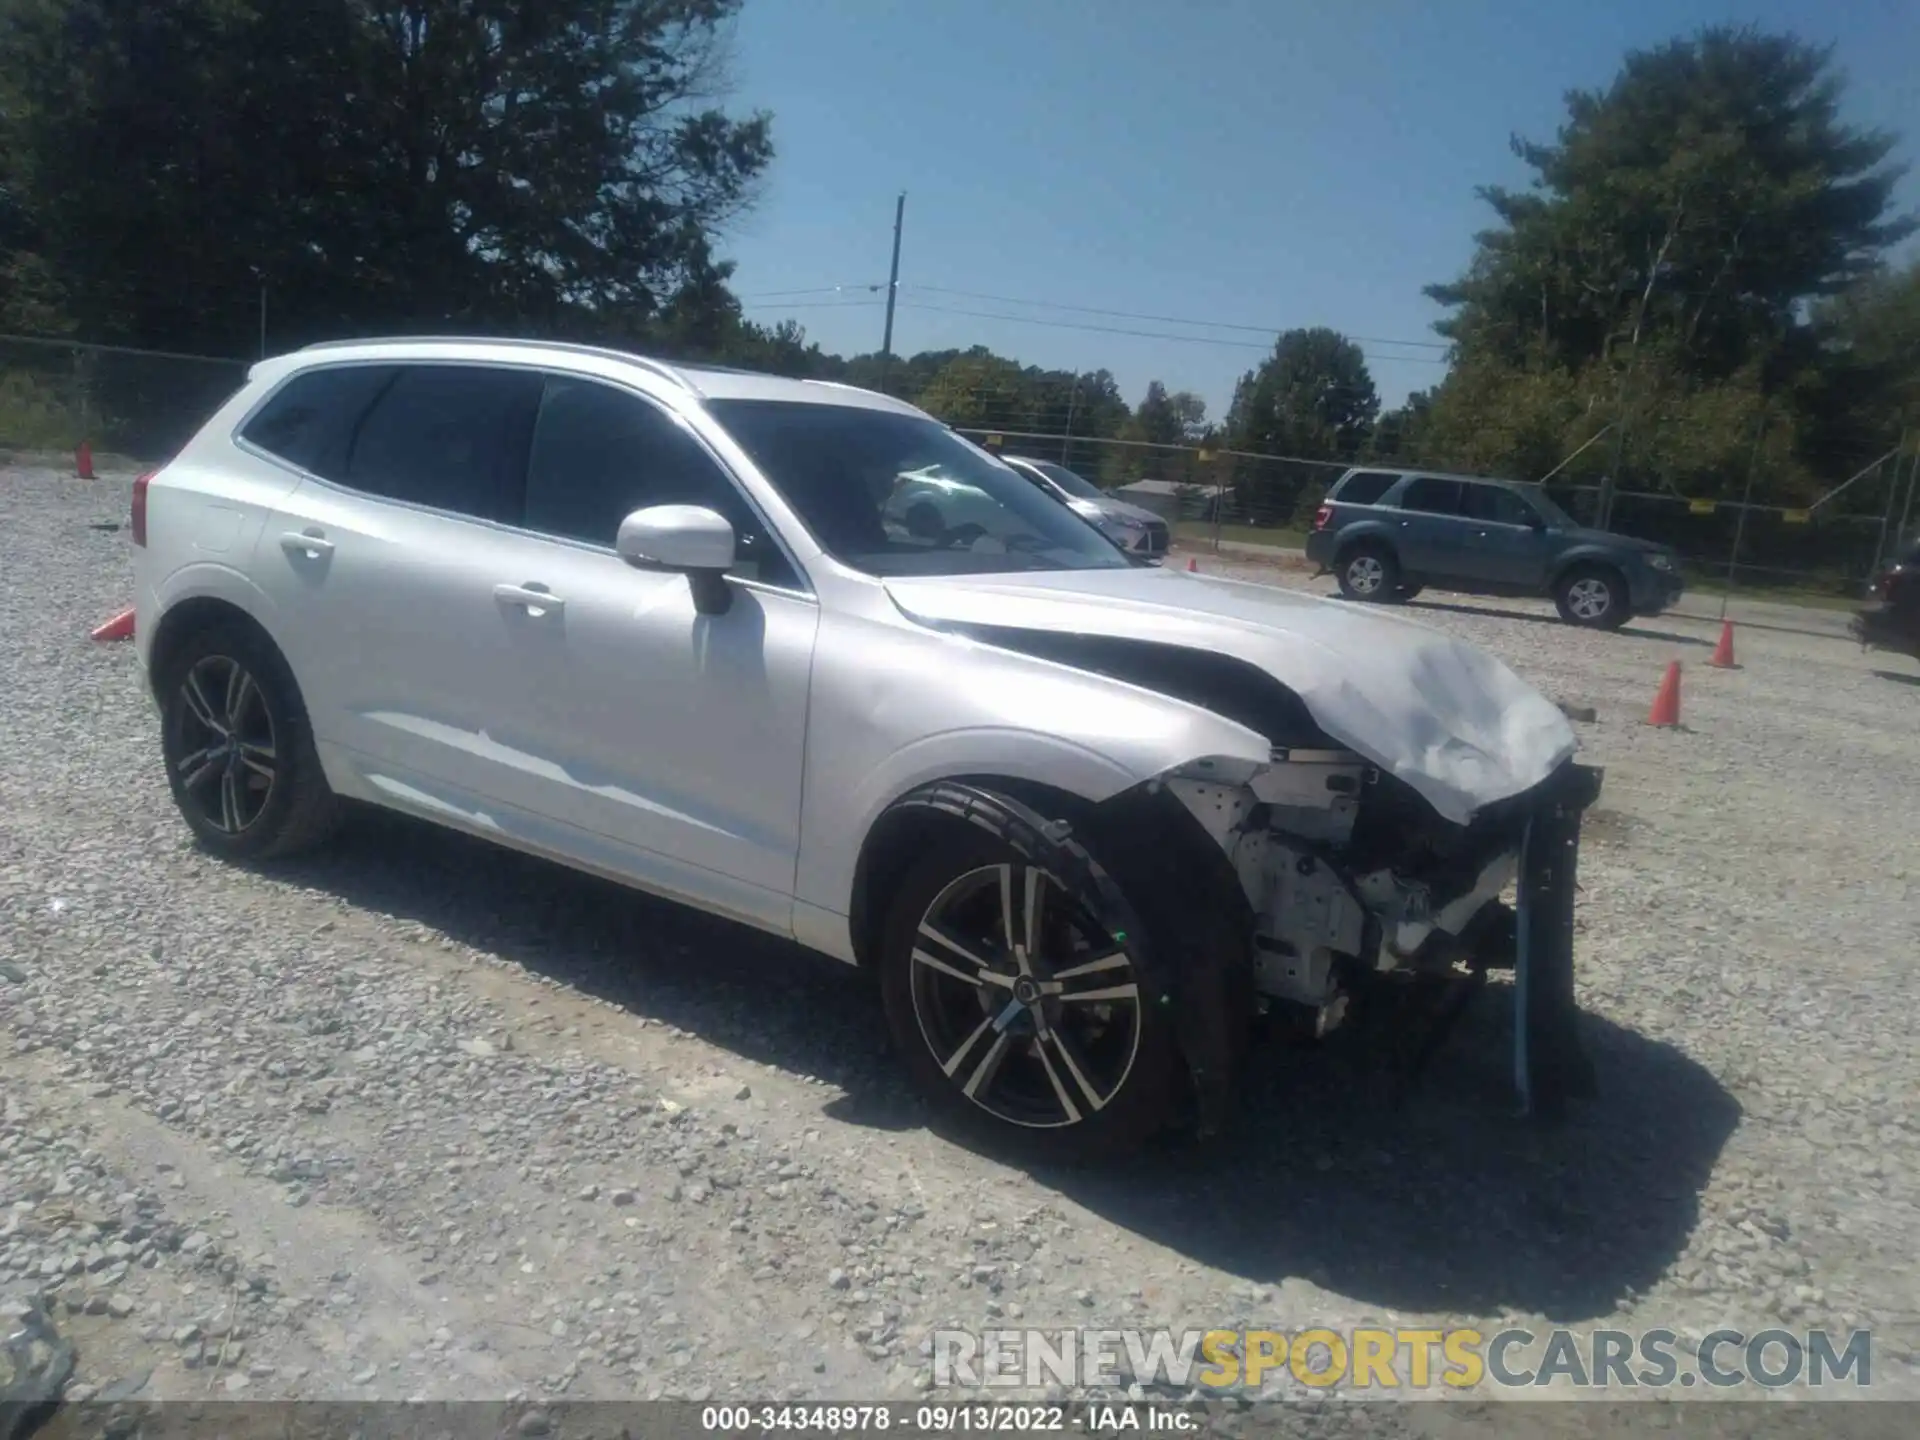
(690,539)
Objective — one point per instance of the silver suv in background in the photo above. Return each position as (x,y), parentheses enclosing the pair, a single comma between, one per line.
(1134,528)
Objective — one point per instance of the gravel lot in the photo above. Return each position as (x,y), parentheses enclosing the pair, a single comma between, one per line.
(418,1118)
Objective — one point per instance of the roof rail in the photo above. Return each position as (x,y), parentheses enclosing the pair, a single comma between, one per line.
(605,352)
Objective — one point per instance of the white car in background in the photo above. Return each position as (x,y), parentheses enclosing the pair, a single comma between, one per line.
(1081,818)
(1134,528)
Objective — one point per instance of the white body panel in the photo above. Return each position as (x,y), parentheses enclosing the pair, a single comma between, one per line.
(738,761)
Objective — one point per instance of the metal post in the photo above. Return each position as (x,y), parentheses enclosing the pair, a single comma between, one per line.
(893,289)
(1746,502)
(1886,515)
(1913,483)
(1066,446)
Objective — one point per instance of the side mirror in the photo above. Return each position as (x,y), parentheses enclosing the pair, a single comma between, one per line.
(691,539)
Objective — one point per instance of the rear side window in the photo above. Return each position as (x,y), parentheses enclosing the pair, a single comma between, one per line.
(450,436)
(1432,495)
(309,420)
(1364,487)
(1498,505)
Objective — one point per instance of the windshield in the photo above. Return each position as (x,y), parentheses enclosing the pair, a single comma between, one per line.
(1553,514)
(1073,484)
(895,494)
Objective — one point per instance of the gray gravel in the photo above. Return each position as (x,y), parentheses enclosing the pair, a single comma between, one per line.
(420,1119)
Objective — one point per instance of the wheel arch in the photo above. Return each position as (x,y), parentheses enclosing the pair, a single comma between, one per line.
(1373,535)
(1180,882)
(1594,559)
(189,617)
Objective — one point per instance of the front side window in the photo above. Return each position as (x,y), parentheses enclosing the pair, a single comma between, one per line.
(1432,495)
(1498,505)
(449,436)
(600,453)
(893,494)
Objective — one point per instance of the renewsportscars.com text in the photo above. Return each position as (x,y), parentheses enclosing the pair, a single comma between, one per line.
(1403,1359)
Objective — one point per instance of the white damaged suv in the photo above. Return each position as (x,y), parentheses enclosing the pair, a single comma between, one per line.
(715,635)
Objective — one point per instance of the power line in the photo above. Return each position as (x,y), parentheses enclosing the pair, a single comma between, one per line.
(1143,334)
(813,305)
(813,290)
(1161,319)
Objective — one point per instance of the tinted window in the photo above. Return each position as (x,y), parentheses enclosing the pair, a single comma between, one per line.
(1498,505)
(1365,487)
(449,436)
(1435,496)
(309,421)
(600,453)
(895,494)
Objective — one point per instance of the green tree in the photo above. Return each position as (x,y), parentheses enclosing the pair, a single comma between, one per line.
(1658,272)
(1313,397)
(553,164)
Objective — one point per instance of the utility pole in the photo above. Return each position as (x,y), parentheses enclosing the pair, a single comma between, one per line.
(893,289)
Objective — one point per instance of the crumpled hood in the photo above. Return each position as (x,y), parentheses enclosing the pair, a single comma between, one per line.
(1444,716)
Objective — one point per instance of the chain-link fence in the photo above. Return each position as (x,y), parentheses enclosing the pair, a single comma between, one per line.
(142,405)
(138,405)
(1217,497)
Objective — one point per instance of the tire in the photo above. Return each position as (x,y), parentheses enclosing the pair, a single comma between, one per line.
(1066,1080)
(239,751)
(1369,572)
(1593,597)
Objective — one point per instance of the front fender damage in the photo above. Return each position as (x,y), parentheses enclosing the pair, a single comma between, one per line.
(1192,965)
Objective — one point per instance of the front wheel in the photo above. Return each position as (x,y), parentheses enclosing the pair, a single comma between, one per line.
(1014,994)
(1369,572)
(1592,597)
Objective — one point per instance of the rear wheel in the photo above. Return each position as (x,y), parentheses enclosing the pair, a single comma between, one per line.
(1015,997)
(1592,596)
(239,753)
(1369,572)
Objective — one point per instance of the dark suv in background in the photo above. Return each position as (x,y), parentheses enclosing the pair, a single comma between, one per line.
(1386,534)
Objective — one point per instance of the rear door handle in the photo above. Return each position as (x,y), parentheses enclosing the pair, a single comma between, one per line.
(536,600)
(309,544)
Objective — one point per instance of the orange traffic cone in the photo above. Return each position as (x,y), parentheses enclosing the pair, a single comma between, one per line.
(1666,704)
(1193,566)
(83,461)
(120,627)
(1723,652)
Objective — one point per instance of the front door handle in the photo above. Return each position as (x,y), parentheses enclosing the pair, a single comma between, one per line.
(307,544)
(536,600)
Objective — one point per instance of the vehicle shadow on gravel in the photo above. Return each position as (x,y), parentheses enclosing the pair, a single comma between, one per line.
(1442,1199)
(1441,1202)
(1637,632)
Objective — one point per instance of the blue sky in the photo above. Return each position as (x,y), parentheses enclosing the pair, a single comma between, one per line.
(1257,162)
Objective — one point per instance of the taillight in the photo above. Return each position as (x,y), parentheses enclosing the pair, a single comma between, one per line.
(1322,517)
(139,525)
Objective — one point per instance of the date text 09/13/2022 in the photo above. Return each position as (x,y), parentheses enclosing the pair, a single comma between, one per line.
(1085,1418)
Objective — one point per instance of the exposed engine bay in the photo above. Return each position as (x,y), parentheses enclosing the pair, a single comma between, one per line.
(1343,871)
